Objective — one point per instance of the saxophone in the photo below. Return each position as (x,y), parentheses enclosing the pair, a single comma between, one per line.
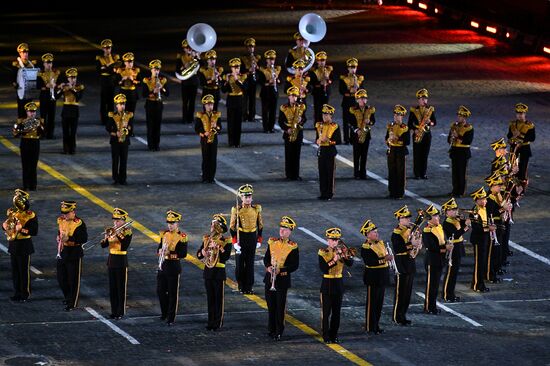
(213,131)
(295,125)
(162,253)
(364,129)
(391,137)
(122,126)
(423,126)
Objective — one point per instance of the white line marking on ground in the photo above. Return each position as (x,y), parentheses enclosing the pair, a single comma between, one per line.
(456,313)
(102,319)
(33,268)
(141,139)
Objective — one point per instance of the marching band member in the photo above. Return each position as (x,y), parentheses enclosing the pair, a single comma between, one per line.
(71,234)
(480,239)
(235,84)
(128,78)
(30,129)
(521,133)
(350,83)
(269,79)
(321,80)
(397,139)
(299,80)
(118,240)
(46,82)
(496,207)
(421,120)
(249,66)
(298,52)
(105,66)
(189,86)
(119,127)
(362,122)
(71,92)
(246,227)
(376,275)
(328,136)
(292,118)
(20,226)
(214,252)
(171,249)
(461,135)
(208,126)
(281,259)
(500,160)
(155,91)
(331,263)
(21,62)
(512,192)
(210,77)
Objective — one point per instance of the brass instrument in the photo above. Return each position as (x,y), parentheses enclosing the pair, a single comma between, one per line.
(273,272)
(391,137)
(52,89)
(123,128)
(493,233)
(11,223)
(423,125)
(453,134)
(274,78)
(162,254)
(325,79)
(393,265)
(344,251)
(189,70)
(464,214)
(110,231)
(295,125)
(237,219)
(355,83)
(253,65)
(159,87)
(415,234)
(26,126)
(364,129)
(212,250)
(61,239)
(449,254)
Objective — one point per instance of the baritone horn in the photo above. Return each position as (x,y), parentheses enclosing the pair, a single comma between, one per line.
(201,37)
(313,28)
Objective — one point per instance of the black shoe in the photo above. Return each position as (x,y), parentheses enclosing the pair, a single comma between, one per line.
(408,322)
(118,317)
(15,298)
(65,302)
(69,308)
(501,272)
(271,334)
(115,183)
(24,299)
(335,340)
(162,317)
(425,177)
(495,280)
(510,253)
(208,327)
(379,331)
(124,183)
(327,341)
(299,178)
(112,316)
(169,323)
(277,337)
(402,323)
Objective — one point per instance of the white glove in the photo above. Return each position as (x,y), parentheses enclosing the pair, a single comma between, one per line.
(237,248)
(258,244)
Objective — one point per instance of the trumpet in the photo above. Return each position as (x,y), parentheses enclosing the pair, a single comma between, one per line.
(110,231)
(274,78)
(493,233)
(464,214)
(253,65)
(52,89)
(344,251)
(162,254)
(61,238)
(393,265)
(159,87)
(273,272)
(449,254)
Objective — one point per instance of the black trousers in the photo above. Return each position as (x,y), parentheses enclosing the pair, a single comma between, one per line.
(249,101)
(188,97)
(505,243)
(480,264)
(20,274)
(319,98)
(69,124)
(276,306)
(168,293)
(234,120)
(269,110)
(396,174)
(292,158)
(209,159)
(347,118)
(131,99)
(373,307)
(119,155)
(459,166)
(21,113)
(68,277)
(493,258)
(215,301)
(47,112)
(522,166)
(449,282)
(360,152)
(118,282)
(330,317)
(153,118)
(433,276)
(327,168)
(30,152)
(106,103)
(244,268)
(421,151)
(403,291)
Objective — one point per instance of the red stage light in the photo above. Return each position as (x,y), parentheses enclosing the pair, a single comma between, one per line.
(491,29)
(422,6)
(474,24)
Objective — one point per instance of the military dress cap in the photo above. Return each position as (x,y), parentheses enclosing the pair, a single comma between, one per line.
(449,205)
(31,106)
(20,201)
(47,57)
(293,90)
(270,54)
(463,111)
(172,216)
(333,233)
(399,110)
(23,47)
(250,42)
(288,222)
(503,170)
(367,227)
(480,193)
(246,190)
(361,93)
(327,109)
(21,193)
(119,214)
(235,62)
(128,56)
(321,55)
(498,144)
(299,64)
(220,220)
(402,212)
(521,108)
(71,72)
(106,43)
(431,210)
(494,179)
(208,98)
(184,43)
(211,54)
(68,206)
(422,93)
(155,64)
(352,62)
(297,36)
(120,99)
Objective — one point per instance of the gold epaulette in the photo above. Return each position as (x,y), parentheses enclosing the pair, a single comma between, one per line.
(293,245)
(258,208)
(372,110)
(399,230)
(427,229)
(110,114)
(15,63)
(127,232)
(343,77)
(366,245)
(327,256)
(329,68)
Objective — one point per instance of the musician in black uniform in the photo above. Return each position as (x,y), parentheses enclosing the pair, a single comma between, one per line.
(460,137)
(281,259)
(30,129)
(105,66)
(480,239)
(190,85)
(119,127)
(500,160)
(210,77)
(297,52)
(249,66)
(406,243)
(71,234)
(118,240)
(361,124)
(21,62)
(128,78)
(71,92)
(292,117)
(234,85)
(421,120)
(331,262)
(214,252)
(321,81)
(155,91)
(328,136)
(376,275)
(511,192)
(397,138)
(521,132)
(171,249)
(301,80)
(350,83)
(46,82)
(454,228)
(208,126)
(497,206)
(269,79)
(20,226)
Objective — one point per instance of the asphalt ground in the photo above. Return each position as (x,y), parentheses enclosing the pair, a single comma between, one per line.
(400,51)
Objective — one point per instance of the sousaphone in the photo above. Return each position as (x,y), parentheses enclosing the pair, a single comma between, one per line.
(201,37)
(312,28)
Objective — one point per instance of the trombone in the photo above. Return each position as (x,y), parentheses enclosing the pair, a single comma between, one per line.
(110,231)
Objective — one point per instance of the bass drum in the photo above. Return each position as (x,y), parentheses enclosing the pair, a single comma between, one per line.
(26,83)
